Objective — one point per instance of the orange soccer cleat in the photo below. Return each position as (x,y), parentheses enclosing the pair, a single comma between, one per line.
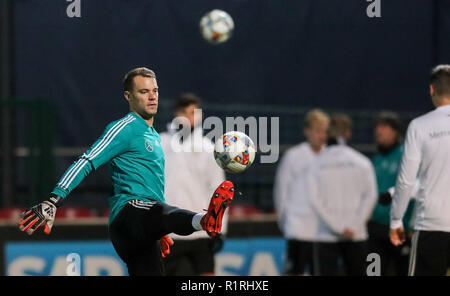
(221,199)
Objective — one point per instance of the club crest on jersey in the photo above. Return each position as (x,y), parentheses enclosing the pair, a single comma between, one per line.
(148,146)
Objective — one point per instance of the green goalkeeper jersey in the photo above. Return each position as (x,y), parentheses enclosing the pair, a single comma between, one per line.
(386,169)
(136,163)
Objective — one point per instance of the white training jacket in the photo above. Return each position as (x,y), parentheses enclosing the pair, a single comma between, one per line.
(190,177)
(296,218)
(342,188)
(426,157)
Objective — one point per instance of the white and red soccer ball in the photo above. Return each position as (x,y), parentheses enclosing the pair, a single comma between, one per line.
(216,26)
(234,152)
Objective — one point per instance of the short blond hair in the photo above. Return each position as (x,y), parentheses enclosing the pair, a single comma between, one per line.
(340,124)
(316,115)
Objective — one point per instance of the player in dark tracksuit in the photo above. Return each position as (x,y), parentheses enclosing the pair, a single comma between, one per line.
(394,260)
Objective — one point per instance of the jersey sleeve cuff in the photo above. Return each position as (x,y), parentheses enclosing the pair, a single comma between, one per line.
(396,224)
(61,192)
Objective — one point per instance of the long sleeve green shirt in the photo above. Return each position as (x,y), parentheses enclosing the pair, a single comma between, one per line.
(136,163)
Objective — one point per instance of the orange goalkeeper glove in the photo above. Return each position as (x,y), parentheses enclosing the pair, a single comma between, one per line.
(166,242)
(43,213)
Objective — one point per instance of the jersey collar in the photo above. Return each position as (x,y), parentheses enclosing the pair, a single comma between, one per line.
(141,120)
(443,108)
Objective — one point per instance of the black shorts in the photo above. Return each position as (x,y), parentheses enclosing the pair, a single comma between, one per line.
(394,259)
(352,254)
(299,257)
(136,231)
(430,253)
(190,257)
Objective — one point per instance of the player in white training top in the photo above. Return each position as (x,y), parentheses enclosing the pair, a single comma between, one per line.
(296,218)
(427,157)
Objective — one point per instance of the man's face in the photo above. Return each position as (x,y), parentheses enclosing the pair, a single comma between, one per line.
(143,98)
(316,134)
(385,135)
(189,113)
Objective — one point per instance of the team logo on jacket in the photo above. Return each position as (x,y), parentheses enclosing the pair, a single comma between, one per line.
(148,146)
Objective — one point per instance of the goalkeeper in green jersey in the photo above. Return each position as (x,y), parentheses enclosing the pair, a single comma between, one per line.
(139,219)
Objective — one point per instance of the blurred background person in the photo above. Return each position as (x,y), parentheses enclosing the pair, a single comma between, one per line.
(191,177)
(388,138)
(296,219)
(341,186)
(342,124)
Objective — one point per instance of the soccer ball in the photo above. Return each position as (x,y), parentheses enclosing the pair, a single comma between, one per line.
(234,152)
(216,26)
